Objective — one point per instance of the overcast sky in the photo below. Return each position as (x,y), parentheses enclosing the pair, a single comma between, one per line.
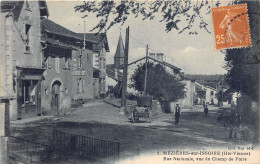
(194,54)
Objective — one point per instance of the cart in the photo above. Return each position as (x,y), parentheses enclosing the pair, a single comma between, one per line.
(143,109)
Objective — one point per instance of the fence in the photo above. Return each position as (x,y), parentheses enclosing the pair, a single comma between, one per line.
(90,148)
(25,151)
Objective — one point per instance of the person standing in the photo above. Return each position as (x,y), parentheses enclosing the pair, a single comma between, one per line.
(206,111)
(177,113)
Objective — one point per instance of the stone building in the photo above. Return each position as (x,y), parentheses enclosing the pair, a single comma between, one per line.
(99,49)
(68,65)
(20,57)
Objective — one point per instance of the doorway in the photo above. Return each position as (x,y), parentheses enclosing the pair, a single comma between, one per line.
(55,102)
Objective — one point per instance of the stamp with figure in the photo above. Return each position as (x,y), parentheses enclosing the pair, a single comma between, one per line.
(231,27)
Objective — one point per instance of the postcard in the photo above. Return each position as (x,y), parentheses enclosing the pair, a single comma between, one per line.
(130,82)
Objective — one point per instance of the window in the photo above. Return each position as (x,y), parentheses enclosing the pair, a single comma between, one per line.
(80,61)
(67,63)
(46,92)
(95,60)
(211,93)
(80,85)
(27,38)
(66,91)
(57,65)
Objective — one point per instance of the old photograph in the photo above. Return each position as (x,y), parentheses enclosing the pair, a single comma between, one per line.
(129,82)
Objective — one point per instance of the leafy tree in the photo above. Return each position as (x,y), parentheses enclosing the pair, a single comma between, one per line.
(243,70)
(227,96)
(160,84)
(171,13)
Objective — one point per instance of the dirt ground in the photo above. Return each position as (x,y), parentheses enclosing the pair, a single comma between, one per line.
(103,121)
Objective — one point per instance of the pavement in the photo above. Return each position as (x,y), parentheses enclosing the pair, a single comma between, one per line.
(103,121)
(28,120)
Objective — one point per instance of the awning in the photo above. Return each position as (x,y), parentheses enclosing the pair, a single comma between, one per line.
(26,73)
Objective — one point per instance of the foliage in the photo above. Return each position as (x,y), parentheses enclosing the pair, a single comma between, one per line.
(241,64)
(227,96)
(244,107)
(170,12)
(160,84)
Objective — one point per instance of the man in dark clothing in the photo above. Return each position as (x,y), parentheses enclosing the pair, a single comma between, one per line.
(177,113)
(206,111)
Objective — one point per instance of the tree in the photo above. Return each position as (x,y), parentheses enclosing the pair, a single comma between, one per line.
(160,84)
(171,12)
(243,67)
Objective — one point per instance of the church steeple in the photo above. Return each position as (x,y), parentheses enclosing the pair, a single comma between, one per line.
(119,55)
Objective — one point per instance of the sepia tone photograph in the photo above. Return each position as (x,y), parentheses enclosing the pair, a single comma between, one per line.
(129,82)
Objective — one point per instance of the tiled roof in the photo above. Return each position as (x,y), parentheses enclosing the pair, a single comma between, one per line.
(111,72)
(15,7)
(54,28)
(161,62)
(57,43)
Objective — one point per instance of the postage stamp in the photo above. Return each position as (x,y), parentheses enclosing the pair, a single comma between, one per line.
(231,27)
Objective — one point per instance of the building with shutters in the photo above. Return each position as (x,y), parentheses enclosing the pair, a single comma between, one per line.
(21,60)
(69,68)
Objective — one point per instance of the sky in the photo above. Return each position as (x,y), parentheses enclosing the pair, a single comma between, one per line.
(194,54)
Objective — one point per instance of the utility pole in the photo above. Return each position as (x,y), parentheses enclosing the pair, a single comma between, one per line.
(124,89)
(84,44)
(145,75)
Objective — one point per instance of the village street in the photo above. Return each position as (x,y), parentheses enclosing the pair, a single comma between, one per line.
(103,121)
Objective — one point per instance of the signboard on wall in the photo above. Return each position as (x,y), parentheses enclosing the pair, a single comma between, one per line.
(78,73)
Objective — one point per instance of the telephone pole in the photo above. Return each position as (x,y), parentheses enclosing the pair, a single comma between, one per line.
(84,44)
(124,89)
(145,75)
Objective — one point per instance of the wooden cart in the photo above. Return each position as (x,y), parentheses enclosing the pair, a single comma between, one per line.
(143,109)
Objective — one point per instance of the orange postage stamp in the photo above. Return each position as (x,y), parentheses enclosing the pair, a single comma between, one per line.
(231,27)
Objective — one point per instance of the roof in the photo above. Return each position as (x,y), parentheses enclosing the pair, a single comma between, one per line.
(98,38)
(161,62)
(111,72)
(15,7)
(54,42)
(120,48)
(54,28)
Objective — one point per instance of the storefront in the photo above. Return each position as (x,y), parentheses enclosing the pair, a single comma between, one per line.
(28,91)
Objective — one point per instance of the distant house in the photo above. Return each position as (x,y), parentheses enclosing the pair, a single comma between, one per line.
(211,97)
(69,68)
(21,60)
(205,95)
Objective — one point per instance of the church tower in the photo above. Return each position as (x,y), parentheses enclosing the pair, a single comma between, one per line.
(119,55)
